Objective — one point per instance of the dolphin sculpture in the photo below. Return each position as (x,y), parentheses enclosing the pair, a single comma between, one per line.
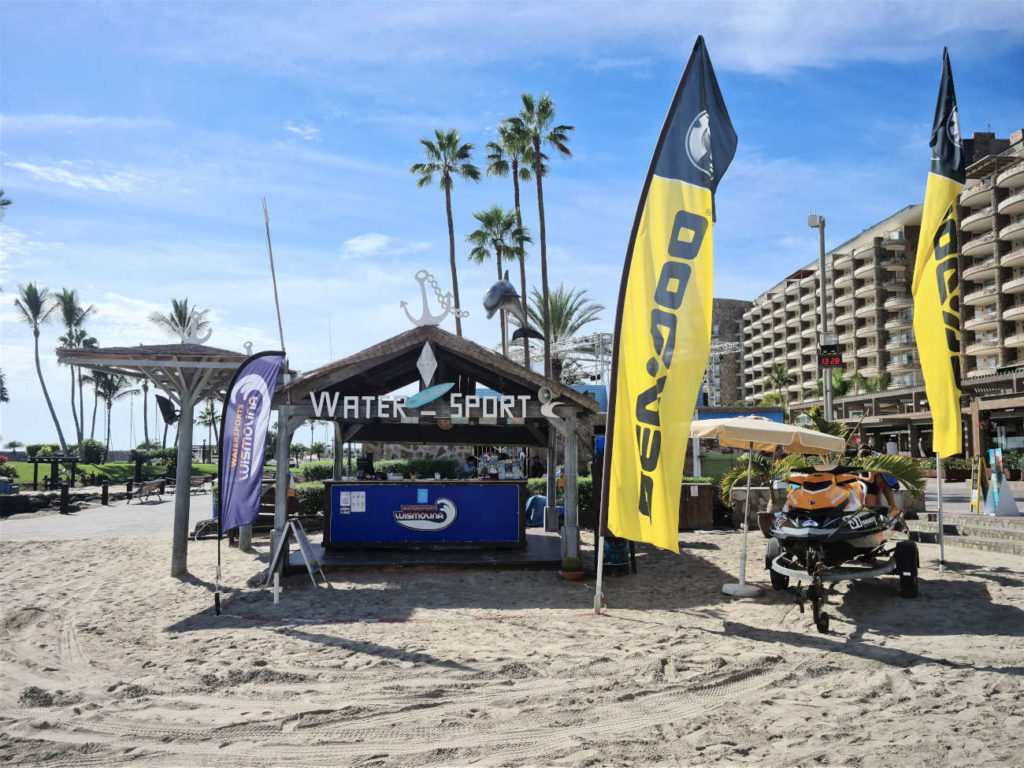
(526,332)
(502,296)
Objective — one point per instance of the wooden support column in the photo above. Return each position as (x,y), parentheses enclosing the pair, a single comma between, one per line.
(339,450)
(571,530)
(974,448)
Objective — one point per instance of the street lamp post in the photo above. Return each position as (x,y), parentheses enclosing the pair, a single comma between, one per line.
(818,222)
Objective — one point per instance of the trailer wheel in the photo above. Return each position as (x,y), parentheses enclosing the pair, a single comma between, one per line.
(780,581)
(906,566)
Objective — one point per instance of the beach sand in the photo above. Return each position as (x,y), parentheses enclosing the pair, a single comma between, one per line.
(106,661)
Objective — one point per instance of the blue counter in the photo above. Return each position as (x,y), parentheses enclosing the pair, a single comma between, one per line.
(413,514)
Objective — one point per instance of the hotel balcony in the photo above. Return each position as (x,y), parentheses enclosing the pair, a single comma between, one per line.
(1012,205)
(1014,258)
(900,341)
(982,320)
(977,195)
(846,337)
(982,271)
(864,252)
(792,290)
(898,301)
(809,315)
(978,222)
(865,270)
(842,261)
(894,263)
(809,384)
(1012,177)
(865,332)
(984,245)
(897,242)
(894,323)
(980,347)
(901,365)
(1016,312)
(982,297)
(809,367)
(1014,286)
(779,312)
(1012,231)
(985,370)
(866,291)
(1017,340)
(844,280)
(868,310)
(843,298)
(869,368)
(809,332)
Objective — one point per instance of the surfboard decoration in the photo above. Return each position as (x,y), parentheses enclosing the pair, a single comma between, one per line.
(428,395)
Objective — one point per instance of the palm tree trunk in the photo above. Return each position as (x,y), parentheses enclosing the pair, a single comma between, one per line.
(106,447)
(74,409)
(546,309)
(95,405)
(451,252)
(81,409)
(46,394)
(522,258)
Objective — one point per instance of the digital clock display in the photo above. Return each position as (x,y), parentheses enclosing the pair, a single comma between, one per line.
(830,361)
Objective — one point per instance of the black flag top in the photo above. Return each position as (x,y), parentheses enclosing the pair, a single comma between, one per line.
(947,146)
(698,142)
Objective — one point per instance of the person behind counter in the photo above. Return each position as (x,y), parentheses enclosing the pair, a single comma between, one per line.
(536,468)
(467,468)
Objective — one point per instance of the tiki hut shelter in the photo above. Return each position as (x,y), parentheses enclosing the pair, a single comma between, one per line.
(188,373)
(428,356)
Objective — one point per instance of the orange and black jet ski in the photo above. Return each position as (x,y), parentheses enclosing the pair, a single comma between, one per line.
(824,525)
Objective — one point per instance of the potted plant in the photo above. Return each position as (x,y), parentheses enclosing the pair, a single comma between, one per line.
(572,569)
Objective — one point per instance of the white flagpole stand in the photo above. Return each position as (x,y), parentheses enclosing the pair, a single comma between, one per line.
(938,478)
(742,589)
(600,570)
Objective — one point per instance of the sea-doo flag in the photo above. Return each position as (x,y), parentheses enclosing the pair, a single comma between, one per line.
(243,437)
(936,286)
(663,323)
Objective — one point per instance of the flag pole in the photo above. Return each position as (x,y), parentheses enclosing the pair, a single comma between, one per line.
(273,275)
(938,478)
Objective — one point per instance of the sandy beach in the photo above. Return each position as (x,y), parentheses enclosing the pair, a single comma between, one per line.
(109,661)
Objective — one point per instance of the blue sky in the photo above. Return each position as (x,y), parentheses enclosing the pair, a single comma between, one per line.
(137,140)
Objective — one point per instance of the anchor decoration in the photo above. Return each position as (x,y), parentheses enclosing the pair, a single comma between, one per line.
(445,300)
(189,333)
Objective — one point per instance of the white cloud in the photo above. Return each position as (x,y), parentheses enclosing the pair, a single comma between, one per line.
(118,182)
(375,245)
(66,123)
(305,131)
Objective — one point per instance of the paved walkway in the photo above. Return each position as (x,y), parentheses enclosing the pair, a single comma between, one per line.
(98,522)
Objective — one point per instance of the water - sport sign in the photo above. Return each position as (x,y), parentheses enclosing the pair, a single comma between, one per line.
(460,406)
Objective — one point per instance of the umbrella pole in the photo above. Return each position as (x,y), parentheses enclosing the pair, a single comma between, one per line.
(938,481)
(746,517)
(743,589)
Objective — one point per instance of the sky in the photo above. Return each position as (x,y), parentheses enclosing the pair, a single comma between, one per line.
(137,140)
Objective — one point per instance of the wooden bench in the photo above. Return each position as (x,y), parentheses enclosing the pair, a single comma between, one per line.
(198,483)
(147,488)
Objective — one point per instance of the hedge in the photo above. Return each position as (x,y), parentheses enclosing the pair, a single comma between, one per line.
(317,470)
(447,468)
(311,497)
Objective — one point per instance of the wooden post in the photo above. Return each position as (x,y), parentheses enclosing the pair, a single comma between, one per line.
(339,450)
(571,531)
(35,475)
(64,499)
(182,486)
(105,494)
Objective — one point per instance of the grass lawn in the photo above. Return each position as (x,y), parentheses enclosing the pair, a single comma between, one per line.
(112,472)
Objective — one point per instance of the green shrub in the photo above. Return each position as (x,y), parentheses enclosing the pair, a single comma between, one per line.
(311,497)
(317,470)
(572,564)
(90,451)
(32,450)
(447,468)
(1012,459)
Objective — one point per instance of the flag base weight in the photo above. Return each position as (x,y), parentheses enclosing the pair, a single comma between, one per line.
(741,590)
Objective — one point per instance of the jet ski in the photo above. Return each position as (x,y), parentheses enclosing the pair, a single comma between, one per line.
(824,532)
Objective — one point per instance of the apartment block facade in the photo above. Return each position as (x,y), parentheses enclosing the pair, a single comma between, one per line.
(870,307)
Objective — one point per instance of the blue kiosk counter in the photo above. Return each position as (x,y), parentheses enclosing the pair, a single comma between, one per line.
(425,514)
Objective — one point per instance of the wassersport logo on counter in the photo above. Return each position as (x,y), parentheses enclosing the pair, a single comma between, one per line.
(427,517)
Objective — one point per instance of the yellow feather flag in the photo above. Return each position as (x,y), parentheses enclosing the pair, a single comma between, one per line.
(663,320)
(936,285)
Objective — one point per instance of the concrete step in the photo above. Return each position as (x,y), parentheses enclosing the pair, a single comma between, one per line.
(989,521)
(969,529)
(1006,546)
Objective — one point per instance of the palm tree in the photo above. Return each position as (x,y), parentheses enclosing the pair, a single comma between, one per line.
(73,314)
(498,234)
(778,379)
(875,383)
(209,417)
(534,124)
(514,154)
(145,411)
(569,310)
(447,158)
(176,322)
(112,387)
(36,307)
(4,396)
(4,202)
(841,386)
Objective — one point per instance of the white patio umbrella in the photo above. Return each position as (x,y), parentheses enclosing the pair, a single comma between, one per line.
(761,434)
